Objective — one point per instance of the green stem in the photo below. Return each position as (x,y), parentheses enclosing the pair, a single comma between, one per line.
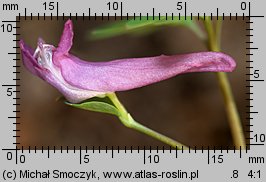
(218,32)
(230,105)
(129,122)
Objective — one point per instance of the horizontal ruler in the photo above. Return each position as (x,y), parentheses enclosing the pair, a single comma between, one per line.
(48,151)
(135,164)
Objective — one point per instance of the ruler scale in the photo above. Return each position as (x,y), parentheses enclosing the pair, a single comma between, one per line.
(130,163)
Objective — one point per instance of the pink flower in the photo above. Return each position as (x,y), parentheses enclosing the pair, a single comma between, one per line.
(79,80)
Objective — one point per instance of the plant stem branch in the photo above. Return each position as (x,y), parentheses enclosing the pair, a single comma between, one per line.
(230,105)
(129,122)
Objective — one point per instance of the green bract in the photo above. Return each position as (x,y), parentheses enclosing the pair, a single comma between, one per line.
(97,104)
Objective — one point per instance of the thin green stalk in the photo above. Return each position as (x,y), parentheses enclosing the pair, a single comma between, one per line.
(129,122)
(230,105)
(218,31)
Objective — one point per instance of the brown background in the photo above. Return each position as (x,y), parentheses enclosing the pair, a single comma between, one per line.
(188,108)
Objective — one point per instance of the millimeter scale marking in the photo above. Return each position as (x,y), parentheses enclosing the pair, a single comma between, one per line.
(168,15)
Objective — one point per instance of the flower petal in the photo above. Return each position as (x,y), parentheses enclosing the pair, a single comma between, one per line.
(27,57)
(52,76)
(126,74)
(66,39)
(72,94)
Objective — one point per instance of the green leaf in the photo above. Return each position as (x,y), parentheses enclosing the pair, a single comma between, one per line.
(143,24)
(97,104)
(109,30)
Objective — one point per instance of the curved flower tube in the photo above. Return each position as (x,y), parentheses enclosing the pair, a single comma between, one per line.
(79,80)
